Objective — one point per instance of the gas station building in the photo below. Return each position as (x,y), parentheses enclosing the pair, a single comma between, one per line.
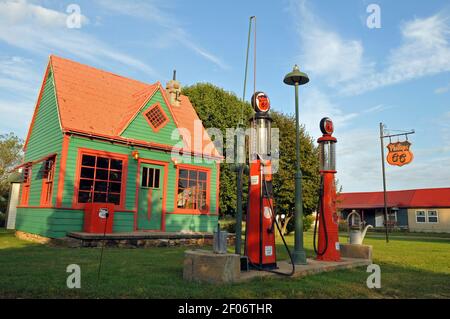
(100,138)
(417,210)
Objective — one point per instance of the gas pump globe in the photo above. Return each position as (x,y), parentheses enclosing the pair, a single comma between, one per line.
(261,125)
(327,146)
(328,248)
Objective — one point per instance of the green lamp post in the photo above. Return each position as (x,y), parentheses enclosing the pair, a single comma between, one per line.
(297,78)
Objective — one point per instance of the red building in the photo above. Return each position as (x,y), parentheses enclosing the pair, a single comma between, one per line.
(416,209)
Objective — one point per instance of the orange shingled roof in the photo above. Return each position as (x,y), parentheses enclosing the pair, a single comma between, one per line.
(102,103)
(95,101)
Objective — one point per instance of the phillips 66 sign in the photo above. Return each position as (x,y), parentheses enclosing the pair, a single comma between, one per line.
(399,153)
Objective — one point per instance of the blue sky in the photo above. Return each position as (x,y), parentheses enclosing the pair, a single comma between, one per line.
(398,74)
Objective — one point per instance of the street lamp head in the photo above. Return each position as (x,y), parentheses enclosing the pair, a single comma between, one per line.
(296,77)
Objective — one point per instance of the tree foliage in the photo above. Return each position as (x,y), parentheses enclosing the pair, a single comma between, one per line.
(10,156)
(221,109)
(284,180)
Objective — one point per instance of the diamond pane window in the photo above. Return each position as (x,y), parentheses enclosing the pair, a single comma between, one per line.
(156,117)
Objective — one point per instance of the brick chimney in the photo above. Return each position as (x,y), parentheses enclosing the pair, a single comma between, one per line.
(173,90)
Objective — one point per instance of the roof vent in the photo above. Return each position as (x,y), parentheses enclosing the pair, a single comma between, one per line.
(173,89)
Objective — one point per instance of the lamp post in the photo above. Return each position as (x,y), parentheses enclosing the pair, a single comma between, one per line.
(297,78)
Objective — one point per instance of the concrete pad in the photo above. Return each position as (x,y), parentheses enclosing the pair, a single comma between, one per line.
(313,267)
(356,251)
(206,266)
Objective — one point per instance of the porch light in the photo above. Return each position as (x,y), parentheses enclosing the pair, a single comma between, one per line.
(135,155)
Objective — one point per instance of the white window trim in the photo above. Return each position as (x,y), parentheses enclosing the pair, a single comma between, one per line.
(425,215)
(437,216)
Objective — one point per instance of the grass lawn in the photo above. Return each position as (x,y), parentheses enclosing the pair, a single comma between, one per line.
(411,268)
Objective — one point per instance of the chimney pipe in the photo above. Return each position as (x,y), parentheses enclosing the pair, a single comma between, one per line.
(173,90)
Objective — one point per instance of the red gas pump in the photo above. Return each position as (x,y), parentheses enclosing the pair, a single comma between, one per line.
(327,218)
(260,229)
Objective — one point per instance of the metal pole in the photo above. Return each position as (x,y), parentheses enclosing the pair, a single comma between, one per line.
(240,166)
(384,183)
(238,240)
(299,255)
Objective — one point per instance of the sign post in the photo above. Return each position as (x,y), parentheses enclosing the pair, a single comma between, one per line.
(399,155)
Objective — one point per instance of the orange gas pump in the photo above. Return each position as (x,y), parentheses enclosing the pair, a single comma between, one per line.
(261,222)
(260,231)
(327,248)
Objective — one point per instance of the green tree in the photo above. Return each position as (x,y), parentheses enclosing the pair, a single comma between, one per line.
(221,109)
(10,156)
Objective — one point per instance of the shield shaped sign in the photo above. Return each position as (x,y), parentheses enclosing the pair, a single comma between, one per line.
(103,213)
(399,153)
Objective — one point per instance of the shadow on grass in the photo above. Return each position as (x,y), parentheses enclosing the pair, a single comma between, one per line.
(38,271)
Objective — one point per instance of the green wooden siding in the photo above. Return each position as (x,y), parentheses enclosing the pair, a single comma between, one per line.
(139,128)
(49,222)
(45,139)
(200,223)
(46,136)
(55,223)
(130,204)
(123,222)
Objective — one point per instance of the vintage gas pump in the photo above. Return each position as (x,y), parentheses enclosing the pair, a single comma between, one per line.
(327,218)
(260,228)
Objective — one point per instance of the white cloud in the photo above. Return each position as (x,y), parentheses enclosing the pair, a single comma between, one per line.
(41,30)
(152,12)
(16,75)
(443,89)
(425,50)
(316,105)
(358,160)
(22,12)
(16,116)
(325,52)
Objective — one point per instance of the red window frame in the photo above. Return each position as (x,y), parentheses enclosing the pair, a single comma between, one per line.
(195,210)
(26,185)
(102,154)
(48,177)
(161,124)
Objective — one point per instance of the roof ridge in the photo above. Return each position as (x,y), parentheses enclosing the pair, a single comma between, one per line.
(100,70)
(402,190)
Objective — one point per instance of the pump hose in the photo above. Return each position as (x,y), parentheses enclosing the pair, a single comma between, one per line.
(322,216)
(283,239)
